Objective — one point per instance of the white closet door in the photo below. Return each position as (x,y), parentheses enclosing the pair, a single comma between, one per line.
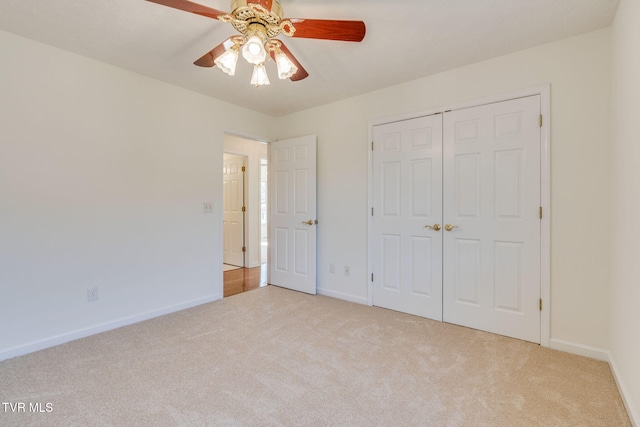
(492,199)
(407,188)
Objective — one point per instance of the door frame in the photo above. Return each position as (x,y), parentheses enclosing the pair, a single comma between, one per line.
(544,91)
(219,211)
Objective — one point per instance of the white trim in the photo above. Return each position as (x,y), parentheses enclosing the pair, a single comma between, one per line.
(632,411)
(101,327)
(580,349)
(369,217)
(342,296)
(545,225)
(544,91)
(605,356)
(531,91)
(407,116)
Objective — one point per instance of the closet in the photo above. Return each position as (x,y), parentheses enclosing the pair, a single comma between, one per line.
(456,217)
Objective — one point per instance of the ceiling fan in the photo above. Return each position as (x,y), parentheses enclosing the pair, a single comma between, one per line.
(259,22)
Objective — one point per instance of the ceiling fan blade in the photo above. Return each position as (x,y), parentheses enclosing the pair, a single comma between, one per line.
(192,7)
(208,59)
(327,29)
(301,73)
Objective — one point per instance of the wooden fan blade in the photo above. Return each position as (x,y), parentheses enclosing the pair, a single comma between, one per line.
(208,59)
(192,7)
(301,73)
(327,29)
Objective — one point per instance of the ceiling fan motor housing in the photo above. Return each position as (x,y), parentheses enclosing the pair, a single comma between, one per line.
(265,12)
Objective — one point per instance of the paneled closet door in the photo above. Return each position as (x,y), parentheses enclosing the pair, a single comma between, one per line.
(491,213)
(407,216)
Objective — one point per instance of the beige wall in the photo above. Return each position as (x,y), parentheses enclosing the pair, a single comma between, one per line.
(103,174)
(625,342)
(579,71)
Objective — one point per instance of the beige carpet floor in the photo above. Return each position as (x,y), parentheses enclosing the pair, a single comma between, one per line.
(274,357)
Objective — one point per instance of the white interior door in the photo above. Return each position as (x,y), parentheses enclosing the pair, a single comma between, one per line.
(292,194)
(492,201)
(233,216)
(407,216)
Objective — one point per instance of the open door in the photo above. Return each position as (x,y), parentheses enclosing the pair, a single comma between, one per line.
(292,183)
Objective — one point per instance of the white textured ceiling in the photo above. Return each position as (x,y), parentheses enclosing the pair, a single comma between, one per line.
(406,40)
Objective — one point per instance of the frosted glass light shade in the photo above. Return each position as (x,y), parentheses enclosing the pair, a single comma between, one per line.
(286,68)
(227,61)
(259,77)
(253,50)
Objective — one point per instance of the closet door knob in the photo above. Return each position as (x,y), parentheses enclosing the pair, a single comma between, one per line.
(435,227)
(450,227)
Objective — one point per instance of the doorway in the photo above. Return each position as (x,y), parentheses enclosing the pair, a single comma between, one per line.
(245,181)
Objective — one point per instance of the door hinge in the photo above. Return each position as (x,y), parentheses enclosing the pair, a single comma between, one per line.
(244,249)
(540,121)
(540,304)
(244,169)
(371,211)
(540,212)
(372,277)
(371,145)
(244,209)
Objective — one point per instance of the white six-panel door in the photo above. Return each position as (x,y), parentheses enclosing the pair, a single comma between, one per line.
(233,217)
(292,234)
(492,203)
(407,204)
(476,173)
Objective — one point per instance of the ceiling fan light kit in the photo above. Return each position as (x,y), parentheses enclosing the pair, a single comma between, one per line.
(259,22)
(286,68)
(260,77)
(253,49)
(228,60)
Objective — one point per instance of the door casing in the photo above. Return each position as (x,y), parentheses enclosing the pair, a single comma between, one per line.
(218,194)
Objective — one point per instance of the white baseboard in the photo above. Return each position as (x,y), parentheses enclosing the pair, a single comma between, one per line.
(628,403)
(340,295)
(605,356)
(580,349)
(101,327)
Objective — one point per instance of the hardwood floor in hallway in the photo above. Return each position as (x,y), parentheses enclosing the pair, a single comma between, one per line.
(244,279)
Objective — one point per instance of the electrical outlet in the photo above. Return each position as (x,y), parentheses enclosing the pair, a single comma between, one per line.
(207,207)
(332,268)
(347,270)
(92,294)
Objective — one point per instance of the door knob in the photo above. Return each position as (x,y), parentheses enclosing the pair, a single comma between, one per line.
(450,227)
(310,222)
(435,227)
